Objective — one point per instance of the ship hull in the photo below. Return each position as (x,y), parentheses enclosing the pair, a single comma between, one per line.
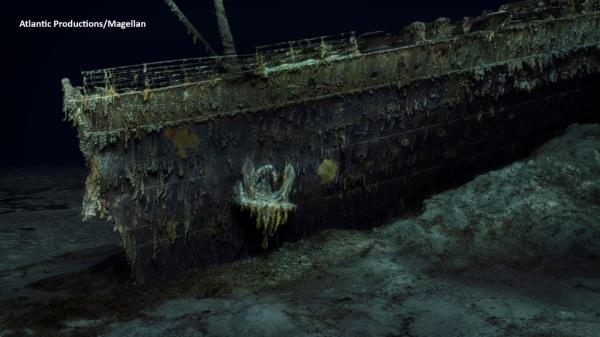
(360,156)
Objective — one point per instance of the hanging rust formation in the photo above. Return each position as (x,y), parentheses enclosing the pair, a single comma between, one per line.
(186,159)
(255,192)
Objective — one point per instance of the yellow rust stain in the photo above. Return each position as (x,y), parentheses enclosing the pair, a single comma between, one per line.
(147,94)
(327,171)
(111,91)
(171,230)
(184,140)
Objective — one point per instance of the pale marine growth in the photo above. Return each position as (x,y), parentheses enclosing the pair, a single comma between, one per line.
(255,192)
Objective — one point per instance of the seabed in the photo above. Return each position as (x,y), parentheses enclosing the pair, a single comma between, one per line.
(514,252)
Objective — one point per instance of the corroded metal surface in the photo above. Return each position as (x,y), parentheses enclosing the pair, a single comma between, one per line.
(368,123)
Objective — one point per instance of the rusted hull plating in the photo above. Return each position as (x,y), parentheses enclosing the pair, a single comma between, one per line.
(359,137)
